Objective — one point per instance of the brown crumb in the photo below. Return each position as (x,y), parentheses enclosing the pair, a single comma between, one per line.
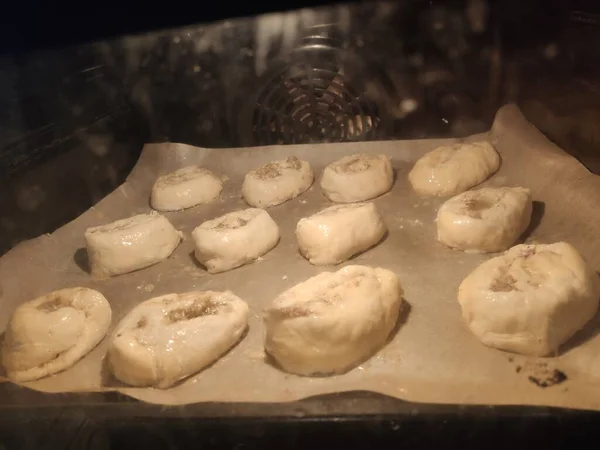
(518,369)
(552,378)
(544,376)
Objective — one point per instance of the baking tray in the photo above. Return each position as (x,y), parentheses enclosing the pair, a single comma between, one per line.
(353,406)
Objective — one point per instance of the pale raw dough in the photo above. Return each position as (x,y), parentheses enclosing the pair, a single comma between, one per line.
(235,239)
(169,338)
(337,233)
(484,220)
(531,299)
(333,321)
(184,188)
(130,244)
(51,333)
(452,169)
(357,178)
(277,182)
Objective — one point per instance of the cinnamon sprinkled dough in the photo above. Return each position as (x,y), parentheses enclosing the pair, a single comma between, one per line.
(452,169)
(333,321)
(531,299)
(169,338)
(51,333)
(357,178)
(277,182)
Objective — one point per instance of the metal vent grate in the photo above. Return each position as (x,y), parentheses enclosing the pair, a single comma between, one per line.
(318,94)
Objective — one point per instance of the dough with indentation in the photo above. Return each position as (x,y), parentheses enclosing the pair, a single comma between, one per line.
(335,234)
(531,299)
(168,338)
(357,178)
(51,333)
(452,169)
(235,239)
(333,321)
(484,220)
(277,182)
(130,244)
(185,188)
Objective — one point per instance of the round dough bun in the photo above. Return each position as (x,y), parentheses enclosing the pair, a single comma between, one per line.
(130,244)
(339,232)
(168,338)
(235,239)
(485,220)
(450,170)
(333,321)
(51,333)
(185,188)
(531,299)
(357,178)
(277,182)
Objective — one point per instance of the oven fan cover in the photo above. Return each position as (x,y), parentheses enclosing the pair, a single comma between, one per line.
(318,93)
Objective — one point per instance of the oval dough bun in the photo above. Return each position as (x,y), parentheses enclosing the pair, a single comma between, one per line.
(235,239)
(450,170)
(169,338)
(277,182)
(185,188)
(531,299)
(357,178)
(130,244)
(339,232)
(333,321)
(485,220)
(51,333)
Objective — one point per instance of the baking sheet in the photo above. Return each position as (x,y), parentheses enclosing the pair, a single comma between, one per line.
(431,358)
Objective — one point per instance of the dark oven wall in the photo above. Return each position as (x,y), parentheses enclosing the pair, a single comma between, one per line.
(73,120)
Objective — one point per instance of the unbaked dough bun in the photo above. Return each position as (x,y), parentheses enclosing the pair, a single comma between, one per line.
(357,178)
(339,232)
(277,182)
(531,299)
(452,169)
(130,244)
(51,333)
(169,338)
(235,239)
(485,220)
(333,321)
(184,188)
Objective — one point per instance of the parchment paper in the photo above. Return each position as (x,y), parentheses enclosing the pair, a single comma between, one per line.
(431,358)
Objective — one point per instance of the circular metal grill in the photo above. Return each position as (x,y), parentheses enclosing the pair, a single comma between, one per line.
(318,94)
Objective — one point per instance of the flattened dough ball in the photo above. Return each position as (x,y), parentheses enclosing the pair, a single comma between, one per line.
(169,338)
(130,244)
(235,239)
(277,182)
(333,321)
(185,188)
(51,333)
(337,233)
(484,220)
(357,178)
(531,299)
(452,169)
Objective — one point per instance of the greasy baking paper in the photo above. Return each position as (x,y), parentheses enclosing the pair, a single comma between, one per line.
(431,358)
